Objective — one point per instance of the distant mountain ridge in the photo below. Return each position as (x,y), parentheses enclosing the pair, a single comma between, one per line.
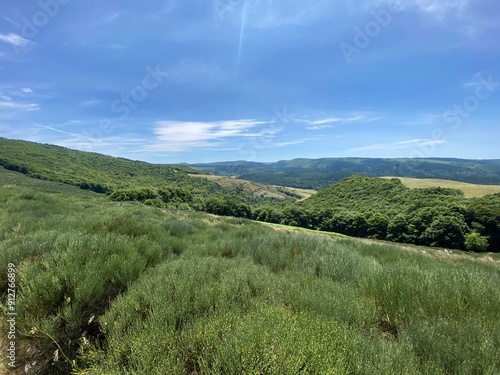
(321,173)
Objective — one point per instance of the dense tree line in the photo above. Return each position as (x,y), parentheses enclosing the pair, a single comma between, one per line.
(362,207)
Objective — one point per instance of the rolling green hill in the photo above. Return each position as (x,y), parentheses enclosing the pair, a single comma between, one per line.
(121,177)
(387,209)
(91,171)
(321,173)
(108,288)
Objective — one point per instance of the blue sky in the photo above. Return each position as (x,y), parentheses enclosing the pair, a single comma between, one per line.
(262,80)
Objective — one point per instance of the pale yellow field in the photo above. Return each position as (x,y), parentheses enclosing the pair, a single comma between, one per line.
(305,193)
(470,190)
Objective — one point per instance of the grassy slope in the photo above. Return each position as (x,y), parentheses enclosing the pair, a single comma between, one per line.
(76,168)
(431,251)
(15,179)
(469,190)
(193,293)
(304,193)
(105,174)
(253,188)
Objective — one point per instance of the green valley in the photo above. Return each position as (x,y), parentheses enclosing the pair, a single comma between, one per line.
(123,267)
(108,287)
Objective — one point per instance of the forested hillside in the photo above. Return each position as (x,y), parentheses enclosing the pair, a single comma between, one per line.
(91,171)
(386,209)
(321,173)
(125,178)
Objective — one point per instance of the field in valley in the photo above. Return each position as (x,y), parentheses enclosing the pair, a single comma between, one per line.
(122,288)
(469,190)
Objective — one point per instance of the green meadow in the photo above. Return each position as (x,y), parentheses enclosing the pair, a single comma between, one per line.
(123,288)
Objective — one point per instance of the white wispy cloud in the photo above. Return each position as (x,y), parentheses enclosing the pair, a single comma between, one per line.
(324,121)
(75,137)
(17,106)
(90,103)
(408,144)
(263,14)
(423,119)
(14,39)
(269,13)
(436,8)
(115,144)
(14,105)
(27,90)
(106,20)
(331,121)
(481,79)
(5,97)
(179,135)
(18,43)
(295,142)
(112,17)
(440,9)
(86,139)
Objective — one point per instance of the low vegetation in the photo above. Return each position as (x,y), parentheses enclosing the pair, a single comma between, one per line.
(122,288)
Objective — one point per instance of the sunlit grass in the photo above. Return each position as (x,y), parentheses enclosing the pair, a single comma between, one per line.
(119,288)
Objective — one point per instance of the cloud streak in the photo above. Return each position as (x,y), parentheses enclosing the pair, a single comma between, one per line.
(14,40)
(329,122)
(180,136)
(408,144)
(16,106)
(17,42)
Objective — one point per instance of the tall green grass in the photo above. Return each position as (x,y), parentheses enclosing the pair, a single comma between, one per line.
(113,288)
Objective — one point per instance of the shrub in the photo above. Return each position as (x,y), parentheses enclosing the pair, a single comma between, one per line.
(475,242)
